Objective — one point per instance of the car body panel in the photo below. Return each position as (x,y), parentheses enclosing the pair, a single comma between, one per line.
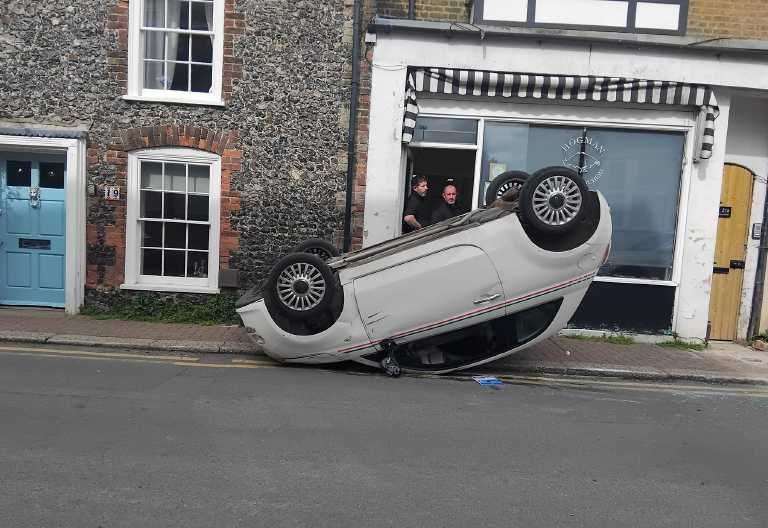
(437,286)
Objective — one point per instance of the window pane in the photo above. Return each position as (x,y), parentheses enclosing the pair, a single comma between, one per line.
(151,175)
(175,177)
(582,12)
(152,234)
(178,50)
(174,206)
(198,236)
(174,263)
(52,175)
(151,262)
(175,235)
(154,15)
(19,173)
(506,10)
(202,16)
(202,48)
(639,175)
(201,78)
(198,207)
(179,75)
(199,178)
(151,204)
(154,79)
(442,130)
(198,264)
(178,14)
(517,146)
(154,45)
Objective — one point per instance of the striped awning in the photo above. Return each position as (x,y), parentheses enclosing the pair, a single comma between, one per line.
(559,87)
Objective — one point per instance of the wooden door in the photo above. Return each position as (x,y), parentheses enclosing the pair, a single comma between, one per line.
(730,252)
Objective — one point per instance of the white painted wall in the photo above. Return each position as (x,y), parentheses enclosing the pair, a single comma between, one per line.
(692,313)
(394,52)
(748,146)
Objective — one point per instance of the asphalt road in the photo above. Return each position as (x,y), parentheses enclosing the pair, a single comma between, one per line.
(127,441)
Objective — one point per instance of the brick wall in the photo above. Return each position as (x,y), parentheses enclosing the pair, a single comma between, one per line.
(443,10)
(746,19)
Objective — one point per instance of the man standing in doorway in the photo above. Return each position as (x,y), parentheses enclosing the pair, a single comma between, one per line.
(416,214)
(447,208)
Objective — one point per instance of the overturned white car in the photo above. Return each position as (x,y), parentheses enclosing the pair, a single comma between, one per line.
(454,295)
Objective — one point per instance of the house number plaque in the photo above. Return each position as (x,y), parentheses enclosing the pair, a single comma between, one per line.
(112,192)
(725,212)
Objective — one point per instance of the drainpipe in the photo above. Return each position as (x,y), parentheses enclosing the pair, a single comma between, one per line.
(411,9)
(352,135)
(757,292)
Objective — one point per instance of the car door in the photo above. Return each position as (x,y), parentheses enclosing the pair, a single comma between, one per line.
(430,294)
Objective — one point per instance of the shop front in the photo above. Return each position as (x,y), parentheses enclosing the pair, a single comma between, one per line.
(654,149)
(637,160)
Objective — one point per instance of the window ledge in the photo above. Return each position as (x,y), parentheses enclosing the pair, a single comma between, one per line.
(169,288)
(202,101)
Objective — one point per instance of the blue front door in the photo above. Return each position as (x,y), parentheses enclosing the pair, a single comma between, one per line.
(32,229)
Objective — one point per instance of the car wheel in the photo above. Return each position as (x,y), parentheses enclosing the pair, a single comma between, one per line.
(503,183)
(301,287)
(316,246)
(553,200)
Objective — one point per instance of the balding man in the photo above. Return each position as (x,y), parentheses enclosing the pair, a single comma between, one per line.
(447,208)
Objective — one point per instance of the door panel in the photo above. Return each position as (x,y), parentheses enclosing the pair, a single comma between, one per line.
(730,252)
(32,232)
(433,293)
(19,265)
(52,222)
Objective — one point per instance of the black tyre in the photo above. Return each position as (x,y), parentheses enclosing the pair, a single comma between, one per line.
(503,183)
(316,246)
(301,287)
(553,200)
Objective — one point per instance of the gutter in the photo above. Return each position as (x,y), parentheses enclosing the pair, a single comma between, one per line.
(352,134)
(482,32)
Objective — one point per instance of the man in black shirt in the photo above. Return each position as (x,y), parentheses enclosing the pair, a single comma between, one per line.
(416,214)
(447,208)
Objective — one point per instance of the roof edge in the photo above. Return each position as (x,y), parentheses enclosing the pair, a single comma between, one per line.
(466,29)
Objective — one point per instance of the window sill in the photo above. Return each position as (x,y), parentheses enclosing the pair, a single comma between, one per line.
(167,288)
(201,101)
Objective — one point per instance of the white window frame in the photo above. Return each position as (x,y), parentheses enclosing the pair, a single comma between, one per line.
(579,115)
(136,90)
(133,278)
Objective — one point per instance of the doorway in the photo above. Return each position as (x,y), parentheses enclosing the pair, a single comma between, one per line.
(443,167)
(32,229)
(730,252)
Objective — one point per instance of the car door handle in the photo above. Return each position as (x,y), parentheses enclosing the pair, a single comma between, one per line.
(487,299)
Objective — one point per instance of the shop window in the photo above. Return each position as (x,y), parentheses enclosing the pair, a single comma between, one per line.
(176,50)
(641,16)
(638,172)
(172,225)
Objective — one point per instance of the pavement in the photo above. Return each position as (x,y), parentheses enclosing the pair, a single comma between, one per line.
(720,362)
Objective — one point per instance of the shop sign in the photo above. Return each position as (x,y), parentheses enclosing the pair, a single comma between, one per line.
(584,155)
